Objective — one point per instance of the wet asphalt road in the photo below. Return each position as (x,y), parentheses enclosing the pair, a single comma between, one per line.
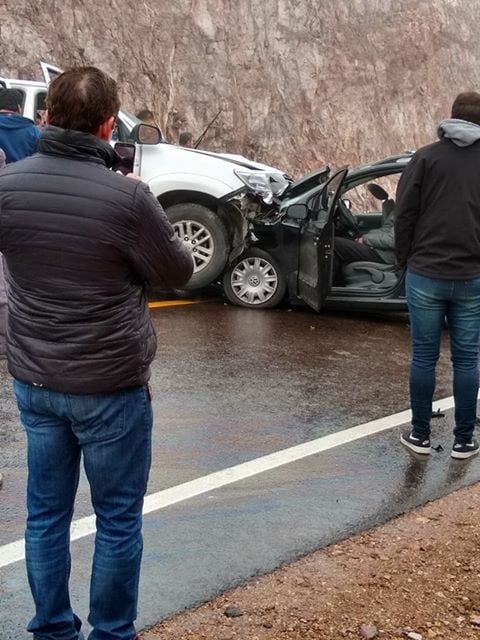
(231,385)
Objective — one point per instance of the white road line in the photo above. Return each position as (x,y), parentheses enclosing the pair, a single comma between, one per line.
(15,551)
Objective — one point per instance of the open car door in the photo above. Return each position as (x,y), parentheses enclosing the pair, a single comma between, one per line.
(316,244)
(49,72)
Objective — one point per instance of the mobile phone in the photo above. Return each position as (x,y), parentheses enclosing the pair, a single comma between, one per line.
(125,157)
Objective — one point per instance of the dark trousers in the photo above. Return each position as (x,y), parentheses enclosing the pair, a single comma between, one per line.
(430,302)
(347,251)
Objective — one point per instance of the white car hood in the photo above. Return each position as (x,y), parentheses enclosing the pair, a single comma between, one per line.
(240,160)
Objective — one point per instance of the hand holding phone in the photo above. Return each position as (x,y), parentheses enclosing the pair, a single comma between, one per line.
(125,158)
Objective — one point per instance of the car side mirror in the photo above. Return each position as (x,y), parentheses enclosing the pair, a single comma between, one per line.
(146,134)
(297,211)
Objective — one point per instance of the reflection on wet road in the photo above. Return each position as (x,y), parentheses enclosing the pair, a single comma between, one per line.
(232,385)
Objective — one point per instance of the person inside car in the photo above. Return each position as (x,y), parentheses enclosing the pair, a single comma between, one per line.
(40,119)
(377,245)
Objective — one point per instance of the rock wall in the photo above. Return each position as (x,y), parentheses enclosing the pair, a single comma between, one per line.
(299,82)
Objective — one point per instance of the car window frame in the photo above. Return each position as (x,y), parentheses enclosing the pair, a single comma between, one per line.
(367,177)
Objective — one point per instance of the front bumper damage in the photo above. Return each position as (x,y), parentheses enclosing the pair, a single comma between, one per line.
(242,209)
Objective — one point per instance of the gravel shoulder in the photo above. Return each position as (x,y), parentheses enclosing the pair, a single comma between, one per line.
(415,577)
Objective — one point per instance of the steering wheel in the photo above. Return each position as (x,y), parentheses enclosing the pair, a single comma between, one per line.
(346,224)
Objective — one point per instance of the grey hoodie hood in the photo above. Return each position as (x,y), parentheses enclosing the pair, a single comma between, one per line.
(460,132)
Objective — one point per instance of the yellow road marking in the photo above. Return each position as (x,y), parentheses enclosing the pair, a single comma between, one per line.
(173,303)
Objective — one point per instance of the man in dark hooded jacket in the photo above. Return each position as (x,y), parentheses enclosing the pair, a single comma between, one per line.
(81,245)
(437,232)
(18,135)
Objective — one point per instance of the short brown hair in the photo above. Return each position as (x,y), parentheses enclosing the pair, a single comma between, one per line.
(82,98)
(466,106)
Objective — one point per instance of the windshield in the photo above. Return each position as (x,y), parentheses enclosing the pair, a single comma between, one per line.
(126,122)
(131,117)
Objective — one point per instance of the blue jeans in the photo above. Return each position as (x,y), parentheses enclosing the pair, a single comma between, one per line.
(431,302)
(113,431)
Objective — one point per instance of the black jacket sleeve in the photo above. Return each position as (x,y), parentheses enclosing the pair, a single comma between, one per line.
(407,208)
(158,256)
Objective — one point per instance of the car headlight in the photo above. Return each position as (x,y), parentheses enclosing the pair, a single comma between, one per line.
(264,184)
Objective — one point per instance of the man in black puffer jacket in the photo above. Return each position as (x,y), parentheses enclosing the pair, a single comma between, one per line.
(81,243)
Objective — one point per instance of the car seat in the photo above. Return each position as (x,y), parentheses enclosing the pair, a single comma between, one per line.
(371,275)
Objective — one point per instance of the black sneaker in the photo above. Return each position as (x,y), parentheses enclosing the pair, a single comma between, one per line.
(465,449)
(415,443)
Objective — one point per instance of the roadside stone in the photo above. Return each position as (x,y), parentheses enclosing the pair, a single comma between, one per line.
(475,620)
(413,635)
(233,612)
(368,631)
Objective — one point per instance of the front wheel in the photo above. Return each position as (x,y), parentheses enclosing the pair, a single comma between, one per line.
(205,235)
(254,280)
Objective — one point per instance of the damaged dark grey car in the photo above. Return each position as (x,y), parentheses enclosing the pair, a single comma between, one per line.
(289,253)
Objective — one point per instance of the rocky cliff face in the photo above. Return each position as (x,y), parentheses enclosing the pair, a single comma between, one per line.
(299,82)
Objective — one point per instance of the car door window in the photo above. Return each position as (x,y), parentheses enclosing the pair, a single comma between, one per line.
(362,201)
(22,93)
(40,108)
(121,132)
(41,101)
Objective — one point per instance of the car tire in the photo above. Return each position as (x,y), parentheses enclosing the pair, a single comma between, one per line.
(190,220)
(254,280)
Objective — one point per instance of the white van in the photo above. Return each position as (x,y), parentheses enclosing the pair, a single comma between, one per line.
(208,197)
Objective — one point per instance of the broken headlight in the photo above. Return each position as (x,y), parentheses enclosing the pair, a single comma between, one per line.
(264,184)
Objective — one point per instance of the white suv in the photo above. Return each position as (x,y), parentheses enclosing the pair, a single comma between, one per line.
(209,197)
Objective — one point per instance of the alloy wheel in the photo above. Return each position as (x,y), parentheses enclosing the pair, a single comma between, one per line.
(198,239)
